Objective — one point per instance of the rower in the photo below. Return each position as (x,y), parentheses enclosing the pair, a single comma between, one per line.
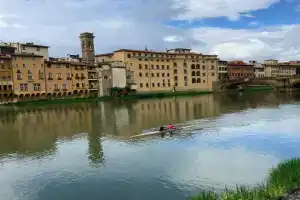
(161,128)
(171,126)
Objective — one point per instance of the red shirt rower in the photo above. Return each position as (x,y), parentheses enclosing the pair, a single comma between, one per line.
(171,126)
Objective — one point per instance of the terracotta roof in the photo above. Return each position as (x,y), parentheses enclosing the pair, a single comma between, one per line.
(104,54)
(34,45)
(161,52)
(26,55)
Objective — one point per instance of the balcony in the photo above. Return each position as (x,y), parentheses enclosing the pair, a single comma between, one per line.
(56,89)
(77,77)
(82,77)
(65,89)
(59,78)
(41,78)
(92,78)
(69,78)
(50,78)
(30,80)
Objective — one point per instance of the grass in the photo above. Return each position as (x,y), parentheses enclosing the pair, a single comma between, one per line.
(284,178)
(105,98)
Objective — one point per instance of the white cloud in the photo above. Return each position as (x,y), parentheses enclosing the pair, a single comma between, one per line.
(136,23)
(216,8)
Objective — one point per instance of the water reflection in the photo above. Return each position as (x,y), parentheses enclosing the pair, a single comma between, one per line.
(68,148)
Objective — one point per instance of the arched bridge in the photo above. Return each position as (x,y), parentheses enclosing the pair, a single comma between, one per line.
(278,82)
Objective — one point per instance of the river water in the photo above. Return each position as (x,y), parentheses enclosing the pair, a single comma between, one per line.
(82,151)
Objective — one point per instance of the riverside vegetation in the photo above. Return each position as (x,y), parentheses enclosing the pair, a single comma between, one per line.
(283,178)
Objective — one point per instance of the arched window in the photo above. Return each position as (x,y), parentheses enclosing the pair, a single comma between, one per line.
(198,80)
(193,73)
(198,73)
(197,66)
(184,64)
(193,66)
(193,80)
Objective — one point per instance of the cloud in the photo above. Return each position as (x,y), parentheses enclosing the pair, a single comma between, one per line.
(136,23)
(195,9)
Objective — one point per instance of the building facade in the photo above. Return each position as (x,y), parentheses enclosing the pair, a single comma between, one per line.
(275,69)
(28,75)
(6,83)
(31,48)
(58,76)
(259,70)
(176,69)
(238,70)
(222,70)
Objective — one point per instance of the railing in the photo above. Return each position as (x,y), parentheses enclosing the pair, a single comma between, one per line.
(50,78)
(69,78)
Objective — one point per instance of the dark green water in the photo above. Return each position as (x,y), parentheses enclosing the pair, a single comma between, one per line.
(81,151)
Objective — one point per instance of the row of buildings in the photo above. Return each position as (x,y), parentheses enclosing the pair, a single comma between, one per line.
(27,70)
(236,70)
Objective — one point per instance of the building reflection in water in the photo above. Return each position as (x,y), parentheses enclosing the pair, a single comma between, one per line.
(35,131)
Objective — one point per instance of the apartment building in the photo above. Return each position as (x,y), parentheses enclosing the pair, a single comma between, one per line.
(6,83)
(238,70)
(28,75)
(110,75)
(176,69)
(58,76)
(31,48)
(275,69)
(222,70)
(259,70)
(80,78)
(92,79)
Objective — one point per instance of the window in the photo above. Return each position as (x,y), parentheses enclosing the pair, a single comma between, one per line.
(38,48)
(68,75)
(185,78)
(36,87)
(198,80)
(147,74)
(198,73)
(185,71)
(141,85)
(19,75)
(193,66)
(152,74)
(158,84)
(197,66)
(140,66)
(212,67)
(24,65)
(168,67)
(203,74)
(163,74)
(169,84)
(157,66)
(175,71)
(140,74)
(193,73)
(213,74)
(193,80)
(203,67)
(152,66)
(153,84)
(59,76)
(56,86)
(49,75)
(64,86)
(129,55)
(30,77)
(146,66)
(162,67)
(157,74)
(23,87)
(147,84)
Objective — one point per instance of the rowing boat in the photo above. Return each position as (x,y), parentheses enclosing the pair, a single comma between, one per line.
(156,133)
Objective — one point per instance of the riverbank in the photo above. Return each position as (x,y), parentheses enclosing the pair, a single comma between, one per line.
(107,98)
(282,181)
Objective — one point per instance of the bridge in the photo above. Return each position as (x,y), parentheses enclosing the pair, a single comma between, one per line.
(275,82)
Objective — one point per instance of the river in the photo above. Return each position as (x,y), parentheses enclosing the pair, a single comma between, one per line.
(81,151)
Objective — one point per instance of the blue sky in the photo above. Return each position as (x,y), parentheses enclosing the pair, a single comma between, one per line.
(258,29)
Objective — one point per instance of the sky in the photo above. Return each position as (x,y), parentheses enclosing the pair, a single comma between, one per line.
(232,29)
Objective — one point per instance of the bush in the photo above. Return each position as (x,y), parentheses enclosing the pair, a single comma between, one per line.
(284,178)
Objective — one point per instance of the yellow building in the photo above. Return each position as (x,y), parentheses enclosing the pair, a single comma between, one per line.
(58,78)
(6,83)
(272,68)
(28,75)
(80,78)
(176,69)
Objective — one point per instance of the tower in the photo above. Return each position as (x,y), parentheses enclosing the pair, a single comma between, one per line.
(87,47)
